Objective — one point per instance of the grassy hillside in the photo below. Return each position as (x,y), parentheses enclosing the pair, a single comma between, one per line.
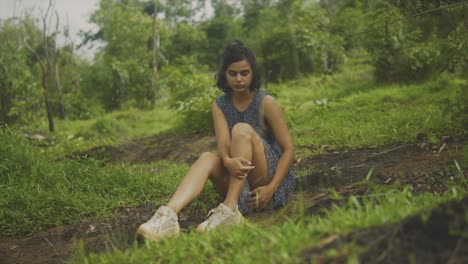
(344,110)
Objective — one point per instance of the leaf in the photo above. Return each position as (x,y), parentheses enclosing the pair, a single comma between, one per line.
(369,174)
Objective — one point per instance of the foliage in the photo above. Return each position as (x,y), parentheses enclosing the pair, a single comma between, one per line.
(190,93)
(79,107)
(414,51)
(219,31)
(287,50)
(183,79)
(126,58)
(196,111)
(190,41)
(20,98)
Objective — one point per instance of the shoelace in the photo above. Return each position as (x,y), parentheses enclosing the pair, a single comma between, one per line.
(215,220)
(157,215)
(157,218)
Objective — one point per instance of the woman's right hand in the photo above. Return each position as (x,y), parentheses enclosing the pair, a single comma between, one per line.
(238,167)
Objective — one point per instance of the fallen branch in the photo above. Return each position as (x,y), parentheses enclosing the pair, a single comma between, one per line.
(53,247)
(387,151)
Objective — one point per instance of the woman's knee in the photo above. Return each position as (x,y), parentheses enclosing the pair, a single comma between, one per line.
(209,157)
(242,130)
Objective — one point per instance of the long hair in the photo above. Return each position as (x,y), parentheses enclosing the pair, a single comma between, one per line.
(234,52)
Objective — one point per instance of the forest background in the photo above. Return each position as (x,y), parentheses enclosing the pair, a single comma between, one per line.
(164,52)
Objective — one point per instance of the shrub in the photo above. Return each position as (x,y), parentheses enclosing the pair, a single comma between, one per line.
(196,112)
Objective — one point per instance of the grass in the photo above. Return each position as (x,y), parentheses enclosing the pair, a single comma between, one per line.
(38,193)
(282,243)
(360,113)
(112,128)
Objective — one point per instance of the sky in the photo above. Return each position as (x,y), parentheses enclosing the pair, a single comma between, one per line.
(75,13)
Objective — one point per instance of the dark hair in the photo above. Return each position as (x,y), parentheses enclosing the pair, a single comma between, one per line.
(234,52)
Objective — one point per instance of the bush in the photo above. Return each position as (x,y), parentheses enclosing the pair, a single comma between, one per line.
(81,107)
(183,79)
(196,112)
(190,93)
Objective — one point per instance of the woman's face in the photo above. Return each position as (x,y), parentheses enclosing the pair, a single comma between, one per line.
(239,76)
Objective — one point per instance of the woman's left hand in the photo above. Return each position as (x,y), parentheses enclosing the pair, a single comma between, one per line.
(260,197)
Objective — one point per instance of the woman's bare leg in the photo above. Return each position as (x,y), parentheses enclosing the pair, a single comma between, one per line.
(247,144)
(209,165)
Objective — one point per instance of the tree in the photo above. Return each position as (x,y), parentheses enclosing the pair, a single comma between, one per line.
(224,27)
(152,9)
(125,29)
(58,83)
(297,46)
(45,57)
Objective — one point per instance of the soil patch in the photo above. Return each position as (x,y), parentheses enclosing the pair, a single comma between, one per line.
(151,149)
(100,235)
(424,167)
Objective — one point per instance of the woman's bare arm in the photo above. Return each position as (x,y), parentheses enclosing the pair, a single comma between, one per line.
(275,118)
(222,132)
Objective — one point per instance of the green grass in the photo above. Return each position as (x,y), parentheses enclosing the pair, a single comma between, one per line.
(360,113)
(38,192)
(112,128)
(280,243)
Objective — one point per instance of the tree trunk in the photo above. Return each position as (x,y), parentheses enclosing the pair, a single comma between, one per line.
(76,81)
(47,67)
(50,118)
(266,67)
(60,91)
(45,64)
(465,15)
(155,62)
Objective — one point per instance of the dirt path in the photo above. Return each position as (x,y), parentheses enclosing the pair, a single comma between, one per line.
(422,166)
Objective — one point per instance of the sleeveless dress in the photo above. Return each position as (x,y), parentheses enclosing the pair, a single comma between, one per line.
(252,116)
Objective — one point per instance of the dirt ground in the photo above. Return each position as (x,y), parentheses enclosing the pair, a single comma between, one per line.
(442,238)
(423,166)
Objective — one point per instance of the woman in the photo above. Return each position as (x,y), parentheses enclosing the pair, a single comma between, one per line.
(252,168)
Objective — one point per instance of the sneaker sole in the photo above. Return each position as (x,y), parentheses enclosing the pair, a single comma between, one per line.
(141,233)
(241,222)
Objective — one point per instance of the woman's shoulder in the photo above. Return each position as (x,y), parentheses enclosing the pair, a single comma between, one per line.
(221,97)
(222,100)
(267,98)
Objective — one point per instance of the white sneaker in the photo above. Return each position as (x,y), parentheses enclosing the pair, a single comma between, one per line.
(162,224)
(221,216)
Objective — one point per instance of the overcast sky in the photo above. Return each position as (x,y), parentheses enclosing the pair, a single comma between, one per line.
(75,13)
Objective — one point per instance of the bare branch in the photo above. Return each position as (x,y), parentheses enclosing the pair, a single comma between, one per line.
(55,37)
(38,57)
